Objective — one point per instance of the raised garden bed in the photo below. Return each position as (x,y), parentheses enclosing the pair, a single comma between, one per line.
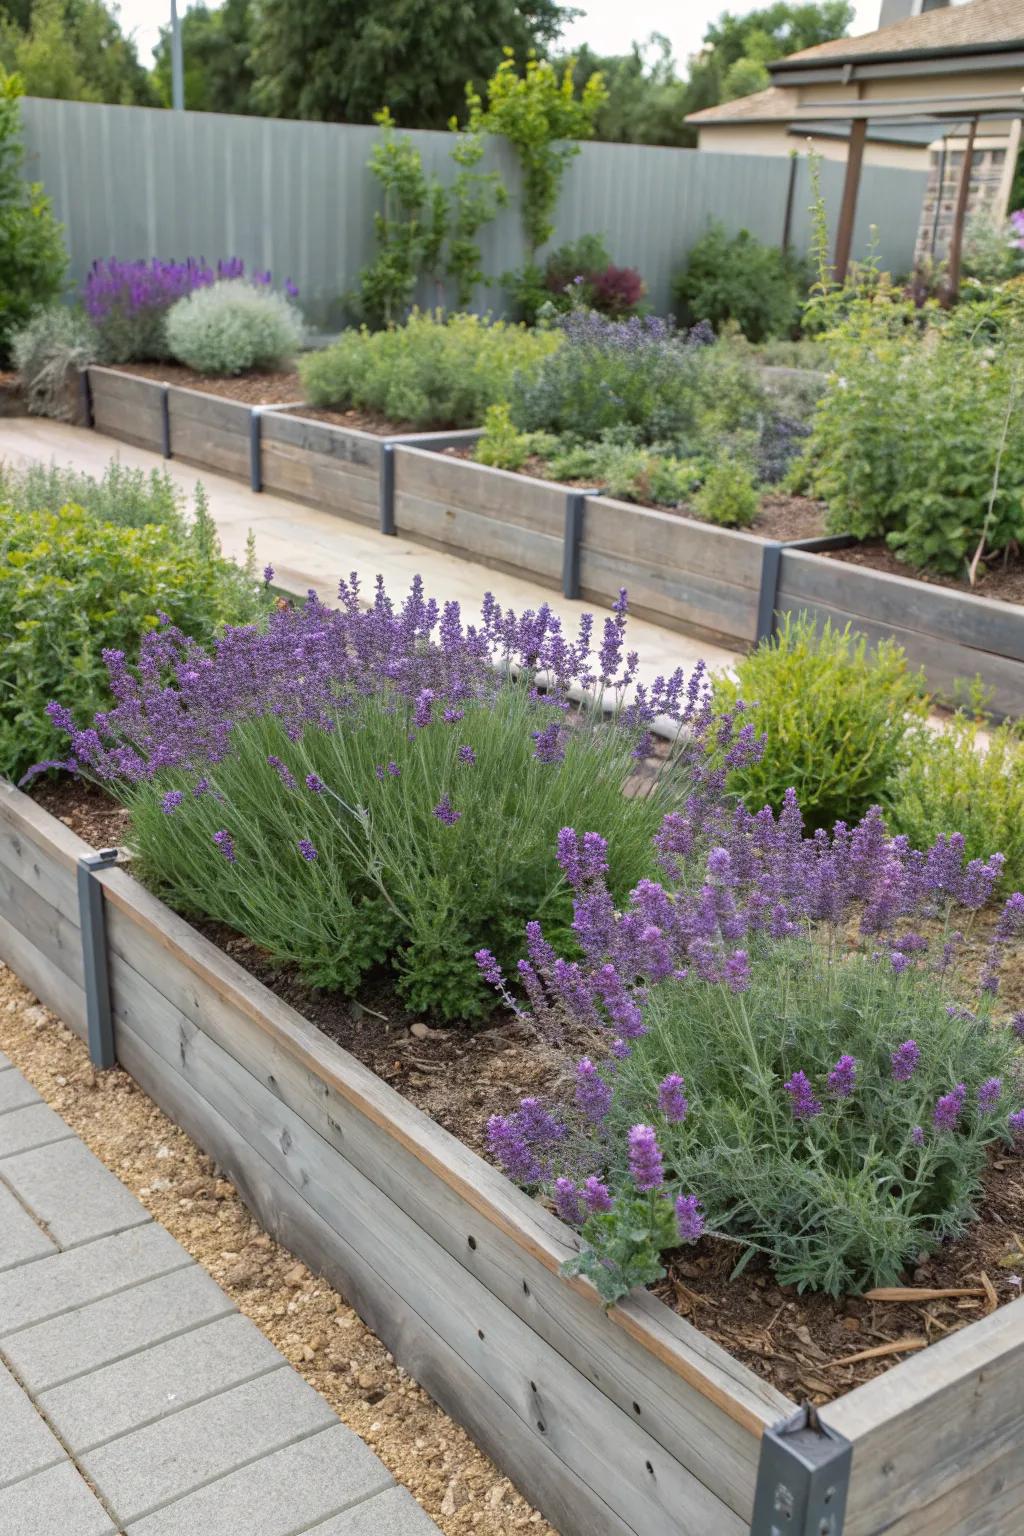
(626,1422)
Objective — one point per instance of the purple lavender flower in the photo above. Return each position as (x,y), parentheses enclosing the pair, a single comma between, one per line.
(905,1060)
(283,772)
(314,784)
(596,1196)
(584,860)
(394,770)
(843,1078)
(490,970)
(917,1136)
(226,845)
(424,705)
(736,971)
(170,802)
(466,755)
(949,1108)
(378,772)
(200,788)
(513,1152)
(1016,1123)
(1017,1025)
(672,1098)
(989,1093)
(566,1199)
(801,1097)
(548,748)
(307,850)
(645,1165)
(593,1094)
(689,1218)
(444,812)
(290,289)
(268,575)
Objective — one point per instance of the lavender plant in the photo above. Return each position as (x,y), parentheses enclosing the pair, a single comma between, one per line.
(780,1053)
(353,787)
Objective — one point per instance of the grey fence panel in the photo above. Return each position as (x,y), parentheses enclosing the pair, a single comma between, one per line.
(138,182)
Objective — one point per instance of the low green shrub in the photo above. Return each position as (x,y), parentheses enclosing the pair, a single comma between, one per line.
(739,279)
(968,779)
(578,275)
(233,326)
(48,352)
(841,718)
(434,371)
(502,445)
(620,468)
(33,260)
(728,496)
(131,498)
(73,586)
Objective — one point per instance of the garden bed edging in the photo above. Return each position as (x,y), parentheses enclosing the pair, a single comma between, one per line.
(629,1423)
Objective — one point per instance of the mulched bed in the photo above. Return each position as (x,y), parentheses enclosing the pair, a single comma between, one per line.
(365,421)
(1002,580)
(460,1076)
(280,388)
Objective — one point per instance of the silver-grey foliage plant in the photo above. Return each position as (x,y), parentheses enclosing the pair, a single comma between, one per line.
(48,351)
(232,327)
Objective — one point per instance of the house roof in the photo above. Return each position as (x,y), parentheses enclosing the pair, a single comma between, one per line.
(768,106)
(980,25)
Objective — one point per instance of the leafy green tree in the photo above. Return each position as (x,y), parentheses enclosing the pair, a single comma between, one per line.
(339,60)
(777,30)
(646,101)
(744,78)
(217,47)
(73,50)
(33,261)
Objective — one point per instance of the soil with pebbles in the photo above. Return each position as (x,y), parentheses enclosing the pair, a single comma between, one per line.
(308,1321)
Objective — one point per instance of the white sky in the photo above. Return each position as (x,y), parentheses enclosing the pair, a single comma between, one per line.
(609,26)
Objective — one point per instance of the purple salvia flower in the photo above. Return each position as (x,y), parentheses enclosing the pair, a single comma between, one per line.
(490,970)
(672,1098)
(307,850)
(843,1078)
(645,1166)
(689,1218)
(801,1097)
(444,812)
(905,1060)
(949,1108)
(593,1094)
(226,845)
(170,802)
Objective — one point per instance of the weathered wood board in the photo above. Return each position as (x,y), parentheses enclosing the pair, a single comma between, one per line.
(209,431)
(333,468)
(127,407)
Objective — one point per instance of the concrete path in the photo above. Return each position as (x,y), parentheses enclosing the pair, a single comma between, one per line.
(308,548)
(134,1398)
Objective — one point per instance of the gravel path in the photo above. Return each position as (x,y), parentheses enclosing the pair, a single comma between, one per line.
(309,1322)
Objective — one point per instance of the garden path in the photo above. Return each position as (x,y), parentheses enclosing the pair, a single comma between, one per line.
(308,548)
(134,1396)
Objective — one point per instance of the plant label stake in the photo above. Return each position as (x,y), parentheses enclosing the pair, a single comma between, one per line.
(802,1479)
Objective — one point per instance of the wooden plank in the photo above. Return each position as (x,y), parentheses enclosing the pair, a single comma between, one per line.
(210,447)
(54,989)
(57,938)
(739,1393)
(130,426)
(463,485)
(211,411)
(979,623)
(345,444)
(49,877)
(605,1447)
(38,828)
(569,1504)
(931,1435)
(475,536)
(709,605)
(627,532)
(128,388)
(346,490)
(720,1452)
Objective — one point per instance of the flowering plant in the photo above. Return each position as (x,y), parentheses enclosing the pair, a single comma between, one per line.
(350,787)
(782,1059)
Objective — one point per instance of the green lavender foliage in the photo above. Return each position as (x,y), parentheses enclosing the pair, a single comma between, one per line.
(129,498)
(846,1199)
(391,882)
(48,352)
(841,719)
(966,778)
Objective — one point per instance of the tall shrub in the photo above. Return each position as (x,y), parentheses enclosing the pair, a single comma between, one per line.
(33,261)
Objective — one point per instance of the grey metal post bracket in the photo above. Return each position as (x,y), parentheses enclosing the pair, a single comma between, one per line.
(771,561)
(165,421)
(575,506)
(387,489)
(94,954)
(85,395)
(802,1479)
(256,448)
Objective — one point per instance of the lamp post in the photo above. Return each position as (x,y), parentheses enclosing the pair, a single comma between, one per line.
(177,66)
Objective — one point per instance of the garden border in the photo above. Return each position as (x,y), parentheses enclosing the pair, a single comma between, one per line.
(629,1423)
(722,584)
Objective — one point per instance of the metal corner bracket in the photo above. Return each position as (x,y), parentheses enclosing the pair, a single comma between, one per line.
(91,915)
(802,1479)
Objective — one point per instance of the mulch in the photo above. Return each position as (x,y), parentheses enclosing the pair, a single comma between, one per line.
(277,388)
(460,1076)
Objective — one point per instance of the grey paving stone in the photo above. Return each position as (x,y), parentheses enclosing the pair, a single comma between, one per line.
(154,1466)
(5,1062)
(282,1494)
(28,1446)
(158,1381)
(32,1126)
(57,1502)
(391,1513)
(89,1337)
(72,1193)
(16,1091)
(20,1238)
(68,1280)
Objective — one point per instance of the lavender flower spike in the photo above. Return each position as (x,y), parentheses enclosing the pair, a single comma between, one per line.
(672,1098)
(689,1218)
(226,845)
(904,1061)
(593,1094)
(596,1196)
(566,1198)
(843,1078)
(645,1166)
(801,1097)
(949,1108)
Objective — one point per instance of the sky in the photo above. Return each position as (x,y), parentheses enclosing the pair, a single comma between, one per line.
(608,26)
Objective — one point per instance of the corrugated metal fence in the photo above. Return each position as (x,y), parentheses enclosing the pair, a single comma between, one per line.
(297,197)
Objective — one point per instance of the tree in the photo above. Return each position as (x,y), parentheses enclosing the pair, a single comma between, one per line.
(33,261)
(217,47)
(777,30)
(74,50)
(646,100)
(342,60)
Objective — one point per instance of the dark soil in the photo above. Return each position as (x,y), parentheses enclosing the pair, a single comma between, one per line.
(365,421)
(281,388)
(1001,579)
(461,1076)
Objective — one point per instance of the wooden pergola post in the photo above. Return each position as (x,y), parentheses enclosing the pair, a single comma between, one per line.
(956,244)
(848,210)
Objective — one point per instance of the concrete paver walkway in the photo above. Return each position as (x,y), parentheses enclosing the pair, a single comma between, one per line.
(312,549)
(134,1398)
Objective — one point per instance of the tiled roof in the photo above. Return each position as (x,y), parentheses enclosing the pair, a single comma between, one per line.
(955,26)
(772,105)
